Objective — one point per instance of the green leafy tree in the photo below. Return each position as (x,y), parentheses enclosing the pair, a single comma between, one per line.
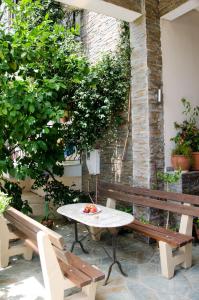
(40,68)
(43,73)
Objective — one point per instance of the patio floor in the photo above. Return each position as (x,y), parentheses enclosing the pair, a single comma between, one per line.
(22,280)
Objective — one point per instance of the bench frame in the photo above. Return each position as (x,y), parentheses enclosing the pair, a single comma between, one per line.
(61,269)
(6,250)
(54,280)
(169,259)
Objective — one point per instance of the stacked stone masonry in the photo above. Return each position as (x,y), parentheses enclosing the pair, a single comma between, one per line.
(147,113)
(100,34)
(145,152)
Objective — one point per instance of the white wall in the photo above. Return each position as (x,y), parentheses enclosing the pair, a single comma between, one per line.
(180,47)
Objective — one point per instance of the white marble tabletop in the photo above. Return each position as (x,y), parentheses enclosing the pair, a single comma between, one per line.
(106,218)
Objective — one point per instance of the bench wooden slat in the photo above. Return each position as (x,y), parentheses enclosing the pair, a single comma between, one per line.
(180,238)
(175,239)
(145,230)
(32,226)
(162,195)
(79,278)
(90,271)
(25,230)
(148,202)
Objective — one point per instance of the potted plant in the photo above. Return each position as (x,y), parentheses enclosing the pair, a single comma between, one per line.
(181,157)
(188,132)
(195,149)
(47,221)
(4,202)
(196,228)
(169,178)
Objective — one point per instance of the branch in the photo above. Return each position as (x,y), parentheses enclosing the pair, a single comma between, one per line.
(52,175)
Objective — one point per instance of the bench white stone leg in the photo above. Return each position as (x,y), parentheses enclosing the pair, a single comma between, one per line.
(183,255)
(169,260)
(90,291)
(186,226)
(166,259)
(7,250)
(28,252)
(4,243)
(95,233)
(54,281)
(187,251)
(52,275)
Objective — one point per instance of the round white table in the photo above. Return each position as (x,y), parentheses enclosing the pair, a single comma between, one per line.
(105,218)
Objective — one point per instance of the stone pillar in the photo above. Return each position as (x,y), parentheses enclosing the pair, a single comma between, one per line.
(147,113)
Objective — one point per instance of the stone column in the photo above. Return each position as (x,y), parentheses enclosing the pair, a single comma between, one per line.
(147,113)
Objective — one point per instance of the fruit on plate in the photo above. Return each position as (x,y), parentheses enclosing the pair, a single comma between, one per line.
(90,208)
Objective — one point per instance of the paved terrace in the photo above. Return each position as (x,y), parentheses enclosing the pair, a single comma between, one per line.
(22,280)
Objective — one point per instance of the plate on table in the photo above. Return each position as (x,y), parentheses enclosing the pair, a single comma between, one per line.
(87,211)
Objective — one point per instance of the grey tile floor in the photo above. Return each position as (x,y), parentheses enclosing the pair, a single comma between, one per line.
(22,280)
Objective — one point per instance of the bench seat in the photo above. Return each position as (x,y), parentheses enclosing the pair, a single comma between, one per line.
(185,205)
(175,239)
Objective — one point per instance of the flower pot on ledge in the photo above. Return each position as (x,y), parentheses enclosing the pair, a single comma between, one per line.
(195,157)
(49,223)
(181,162)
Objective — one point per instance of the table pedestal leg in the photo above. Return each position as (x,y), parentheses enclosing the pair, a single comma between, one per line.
(115,261)
(77,241)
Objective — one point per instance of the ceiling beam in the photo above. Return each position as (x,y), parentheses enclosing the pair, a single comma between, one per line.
(128,4)
(113,8)
(181,10)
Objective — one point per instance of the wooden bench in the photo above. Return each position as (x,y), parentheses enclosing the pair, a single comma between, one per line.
(61,269)
(183,204)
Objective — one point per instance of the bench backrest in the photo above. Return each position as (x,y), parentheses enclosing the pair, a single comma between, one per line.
(29,227)
(78,271)
(151,198)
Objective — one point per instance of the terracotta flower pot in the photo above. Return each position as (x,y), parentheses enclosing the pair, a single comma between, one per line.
(195,156)
(48,223)
(181,162)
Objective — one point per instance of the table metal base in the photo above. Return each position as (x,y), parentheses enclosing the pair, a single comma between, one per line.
(114,258)
(77,241)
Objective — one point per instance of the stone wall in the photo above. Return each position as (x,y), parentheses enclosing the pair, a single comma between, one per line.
(145,152)
(147,113)
(166,6)
(101,34)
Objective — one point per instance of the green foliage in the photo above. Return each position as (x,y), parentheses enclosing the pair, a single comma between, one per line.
(187,132)
(42,73)
(182,149)
(127,209)
(196,221)
(98,103)
(59,194)
(4,201)
(34,65)
(169,177)
(143,220)
(14,191)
